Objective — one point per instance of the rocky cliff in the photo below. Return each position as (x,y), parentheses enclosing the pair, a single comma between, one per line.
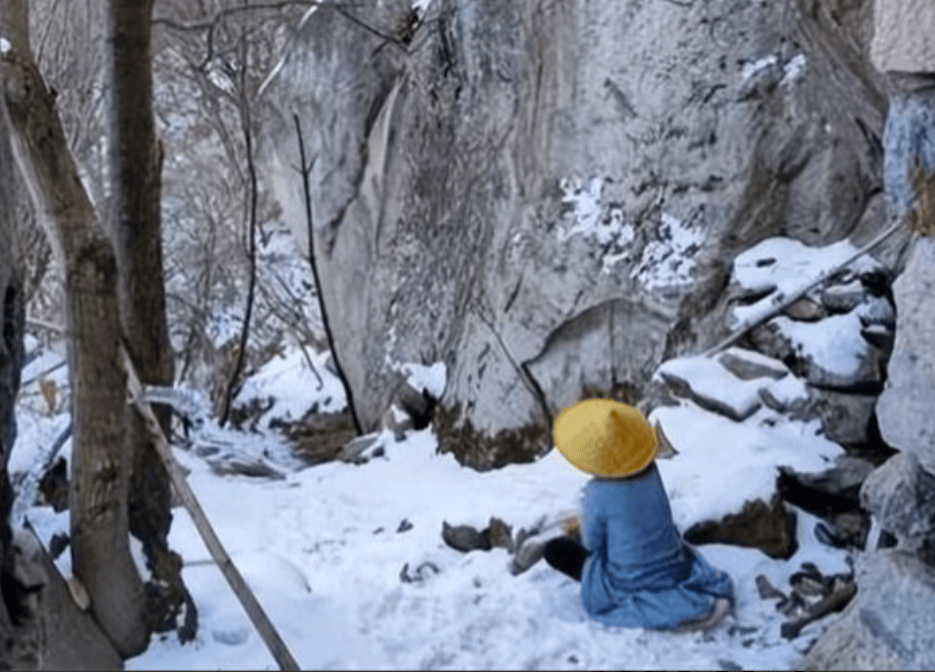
(547,197)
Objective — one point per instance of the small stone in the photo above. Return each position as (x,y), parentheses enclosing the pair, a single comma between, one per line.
(500,534)
(843,298)
(805,310)
(879,336)
(664,448)
(766,590)
(749,364)
(464,538)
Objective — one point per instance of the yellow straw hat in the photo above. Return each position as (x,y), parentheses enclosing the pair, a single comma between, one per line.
(605,438)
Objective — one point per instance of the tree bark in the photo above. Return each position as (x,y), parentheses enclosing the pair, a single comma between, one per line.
(19,643)
(134,226)
(100,465)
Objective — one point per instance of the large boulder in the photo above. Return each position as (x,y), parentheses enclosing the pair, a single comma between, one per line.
(901,495)
(890,625)
(903,35)
(543,195)
(906,409)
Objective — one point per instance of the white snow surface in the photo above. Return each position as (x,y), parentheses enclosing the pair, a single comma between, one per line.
(322,552)
(834,343)
(290,384)
(5,45)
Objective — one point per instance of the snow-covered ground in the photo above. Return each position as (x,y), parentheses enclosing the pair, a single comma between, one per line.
(324,549)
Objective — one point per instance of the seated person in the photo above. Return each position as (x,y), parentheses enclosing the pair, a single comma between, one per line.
(635,569)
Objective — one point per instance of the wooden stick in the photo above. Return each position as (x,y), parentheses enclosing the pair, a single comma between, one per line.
(277,647)
(781,301)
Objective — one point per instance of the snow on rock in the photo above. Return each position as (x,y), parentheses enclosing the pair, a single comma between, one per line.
(834,344)
(713,386)
(432,378)
(667,261)
(291,385)
(779,267)
(590,216)
(5,45)
(721,464)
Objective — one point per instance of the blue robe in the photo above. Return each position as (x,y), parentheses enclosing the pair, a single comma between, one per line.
(640,573)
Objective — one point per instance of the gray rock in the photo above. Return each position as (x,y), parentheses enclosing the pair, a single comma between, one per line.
(901,496)
(500,534)
(843,298)
(543,197)
(879,336)
(906,409)
(889,625)
(749,364)
(710,385)
(877,310)
(845,418)
(767,527)
(902,35)
(465,538)
(359,449)
(805,310)
(835,490)
(848,363)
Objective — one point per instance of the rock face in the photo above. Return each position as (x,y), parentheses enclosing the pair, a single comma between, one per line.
(903,37)
(543,195)
(890,625)
(905,409)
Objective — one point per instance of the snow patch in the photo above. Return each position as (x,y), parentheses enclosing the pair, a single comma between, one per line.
(591,218)
(432,379)
(667,262)
(781,267)
(5,45)
(793,68)
(833,343)
(750,69)
(293,387)
(421,6)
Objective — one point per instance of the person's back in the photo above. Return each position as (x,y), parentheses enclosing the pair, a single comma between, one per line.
(635,569)
(639,572)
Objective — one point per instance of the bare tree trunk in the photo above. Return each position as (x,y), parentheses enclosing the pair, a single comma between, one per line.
(19,643)
(246,127)
(100,463)
(135,164)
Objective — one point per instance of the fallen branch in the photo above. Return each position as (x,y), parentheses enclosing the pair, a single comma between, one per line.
(781,301)
(267,631)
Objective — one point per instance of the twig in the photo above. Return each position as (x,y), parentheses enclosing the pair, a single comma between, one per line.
(267,631)
(246,124)
(781,301)
(49,370)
